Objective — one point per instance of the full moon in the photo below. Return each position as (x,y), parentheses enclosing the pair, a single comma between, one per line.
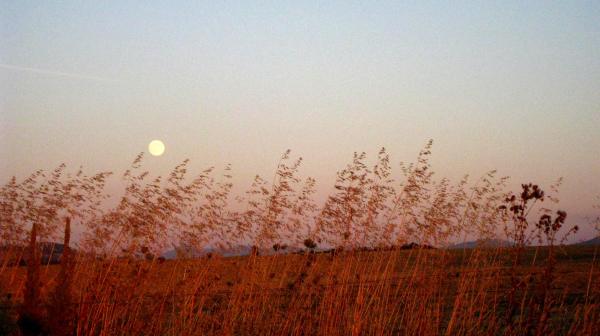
(156,147)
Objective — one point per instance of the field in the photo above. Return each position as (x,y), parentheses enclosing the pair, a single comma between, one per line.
(375,258)
(268,168)
(427,292)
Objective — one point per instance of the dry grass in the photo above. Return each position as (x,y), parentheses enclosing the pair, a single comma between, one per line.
(365,285)
(378,292)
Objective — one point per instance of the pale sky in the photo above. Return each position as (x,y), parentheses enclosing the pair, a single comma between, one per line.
(513,86)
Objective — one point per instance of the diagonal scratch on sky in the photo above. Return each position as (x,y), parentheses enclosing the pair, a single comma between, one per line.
(55,73)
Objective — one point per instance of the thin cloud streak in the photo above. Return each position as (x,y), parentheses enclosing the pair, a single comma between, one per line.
(55,73)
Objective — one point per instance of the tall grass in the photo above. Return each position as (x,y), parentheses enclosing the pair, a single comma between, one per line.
(358,264)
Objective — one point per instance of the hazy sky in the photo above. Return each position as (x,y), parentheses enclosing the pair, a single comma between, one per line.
(513,86)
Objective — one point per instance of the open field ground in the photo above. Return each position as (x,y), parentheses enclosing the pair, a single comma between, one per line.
(428,292)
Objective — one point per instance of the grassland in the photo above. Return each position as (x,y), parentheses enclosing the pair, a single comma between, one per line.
(371,292)
(114,282)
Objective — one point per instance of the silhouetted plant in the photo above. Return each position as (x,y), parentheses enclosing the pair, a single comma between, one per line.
(533,317)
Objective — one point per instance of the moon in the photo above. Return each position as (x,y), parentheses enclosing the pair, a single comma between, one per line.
(156,147)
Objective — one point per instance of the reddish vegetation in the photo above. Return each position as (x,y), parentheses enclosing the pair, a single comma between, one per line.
(115,282)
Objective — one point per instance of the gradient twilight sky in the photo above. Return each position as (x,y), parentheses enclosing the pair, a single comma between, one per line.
(513,86)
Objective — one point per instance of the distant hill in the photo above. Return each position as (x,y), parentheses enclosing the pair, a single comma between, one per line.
(591,242)
(194,253)
(243,250)
(50,253)
(482,243)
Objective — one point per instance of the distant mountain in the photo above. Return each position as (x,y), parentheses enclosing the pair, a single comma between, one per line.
(591,242)
(173,254)
(482,243)
(243,250)
(50,253)
(195,253)
(170,254)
